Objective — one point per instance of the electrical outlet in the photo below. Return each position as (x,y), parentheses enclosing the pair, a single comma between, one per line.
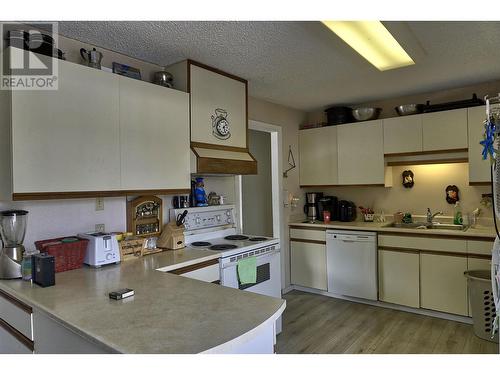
(100,228)
(99,204)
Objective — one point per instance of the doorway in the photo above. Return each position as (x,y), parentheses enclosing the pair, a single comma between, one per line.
(260,195)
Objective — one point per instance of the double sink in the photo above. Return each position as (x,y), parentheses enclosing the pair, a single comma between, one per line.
(425,225)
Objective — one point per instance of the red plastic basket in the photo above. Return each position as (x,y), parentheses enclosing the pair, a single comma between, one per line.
(68,255)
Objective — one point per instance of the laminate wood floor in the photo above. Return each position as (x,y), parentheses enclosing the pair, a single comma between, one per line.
(319,324)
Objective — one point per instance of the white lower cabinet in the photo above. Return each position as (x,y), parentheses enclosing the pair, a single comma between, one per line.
(399,277)
(308,264)
(443,286)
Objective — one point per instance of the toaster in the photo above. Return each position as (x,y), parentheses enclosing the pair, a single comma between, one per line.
(102,249)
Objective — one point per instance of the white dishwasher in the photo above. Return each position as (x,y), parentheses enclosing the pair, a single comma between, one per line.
(351,259)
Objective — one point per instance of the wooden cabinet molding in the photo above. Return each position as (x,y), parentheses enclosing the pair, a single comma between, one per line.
(194,267)
(308,241)
(94,194)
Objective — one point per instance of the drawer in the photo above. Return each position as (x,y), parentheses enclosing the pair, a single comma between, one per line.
(17,314)
(208,274)
(479,247)
(308,234)
(423,243)
(208,271)
(12,342)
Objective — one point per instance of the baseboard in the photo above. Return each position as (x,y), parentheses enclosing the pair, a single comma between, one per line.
(288,289)
(434,314)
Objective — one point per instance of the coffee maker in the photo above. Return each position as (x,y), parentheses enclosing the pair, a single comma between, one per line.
(12,230)
(311,208)
(329,203)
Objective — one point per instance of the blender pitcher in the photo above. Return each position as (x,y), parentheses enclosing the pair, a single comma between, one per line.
(12,230)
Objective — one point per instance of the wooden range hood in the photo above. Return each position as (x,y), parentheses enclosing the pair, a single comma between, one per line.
(212,159)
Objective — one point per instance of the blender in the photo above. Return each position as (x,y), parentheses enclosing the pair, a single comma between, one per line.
(12,230)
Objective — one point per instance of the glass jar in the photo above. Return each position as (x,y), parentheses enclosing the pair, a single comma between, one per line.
(26,264)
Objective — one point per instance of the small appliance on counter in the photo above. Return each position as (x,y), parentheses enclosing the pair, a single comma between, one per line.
(181,201)
(347,211)
(311,208)
(43,270)
(102,249)
(12,230)
(330,204)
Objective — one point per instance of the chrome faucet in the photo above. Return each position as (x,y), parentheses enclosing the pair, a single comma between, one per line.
(431,216)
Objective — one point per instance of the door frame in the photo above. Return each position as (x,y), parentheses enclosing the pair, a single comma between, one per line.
(276,184)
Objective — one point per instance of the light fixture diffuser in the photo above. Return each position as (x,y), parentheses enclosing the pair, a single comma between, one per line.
(372,41)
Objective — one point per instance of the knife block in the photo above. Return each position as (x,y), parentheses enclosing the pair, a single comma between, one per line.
(172,237)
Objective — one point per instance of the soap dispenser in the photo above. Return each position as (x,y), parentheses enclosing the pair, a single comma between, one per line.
(457,216)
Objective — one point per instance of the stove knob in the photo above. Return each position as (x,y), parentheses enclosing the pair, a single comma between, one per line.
(228,213)
(197,220)
(229,221)
(218,217)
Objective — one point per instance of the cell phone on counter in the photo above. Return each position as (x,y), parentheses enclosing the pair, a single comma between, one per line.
(121,294)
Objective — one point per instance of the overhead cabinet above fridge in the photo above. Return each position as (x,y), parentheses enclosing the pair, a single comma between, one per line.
(218,119)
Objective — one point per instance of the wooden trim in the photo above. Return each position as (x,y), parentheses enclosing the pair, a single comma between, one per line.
(218,147)
(444,253)
(424,232)
(430,252)
(194,267)
(399,249)
(308,241)
(479,256)
(435,161)
(16,302)
(346,185)
(479,183)
(226,166)
(215,70)
(416,153)
(307,228)
(94,194)
(17,335)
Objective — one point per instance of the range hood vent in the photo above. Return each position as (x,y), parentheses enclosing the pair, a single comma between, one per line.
(211,159)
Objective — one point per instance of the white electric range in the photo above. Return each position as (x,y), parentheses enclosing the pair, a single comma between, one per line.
(214,228)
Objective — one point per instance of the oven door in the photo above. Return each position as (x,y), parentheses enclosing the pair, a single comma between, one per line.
(268,278)
(268,275)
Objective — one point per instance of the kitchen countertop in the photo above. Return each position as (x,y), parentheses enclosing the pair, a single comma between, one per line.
(476,232)
(168,314)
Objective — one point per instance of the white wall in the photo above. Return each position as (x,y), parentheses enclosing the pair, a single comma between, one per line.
(257,189)
(428,191)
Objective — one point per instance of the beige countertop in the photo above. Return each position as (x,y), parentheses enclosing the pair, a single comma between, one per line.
(168,314)
(476,232)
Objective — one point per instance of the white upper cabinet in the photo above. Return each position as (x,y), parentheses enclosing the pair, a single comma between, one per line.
(403,134)
(318,156)
(361,153)
(446,130)
(98,134)
(154,136)
(67,139)
(479,169)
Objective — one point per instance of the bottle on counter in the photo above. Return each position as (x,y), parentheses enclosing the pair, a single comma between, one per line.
(26,264)
(457,216)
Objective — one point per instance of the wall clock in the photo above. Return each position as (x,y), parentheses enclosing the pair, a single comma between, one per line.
(220,124)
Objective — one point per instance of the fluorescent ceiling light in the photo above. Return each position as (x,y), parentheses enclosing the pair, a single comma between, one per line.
(372,41)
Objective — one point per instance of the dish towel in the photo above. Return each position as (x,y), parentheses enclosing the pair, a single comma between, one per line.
(247,270)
